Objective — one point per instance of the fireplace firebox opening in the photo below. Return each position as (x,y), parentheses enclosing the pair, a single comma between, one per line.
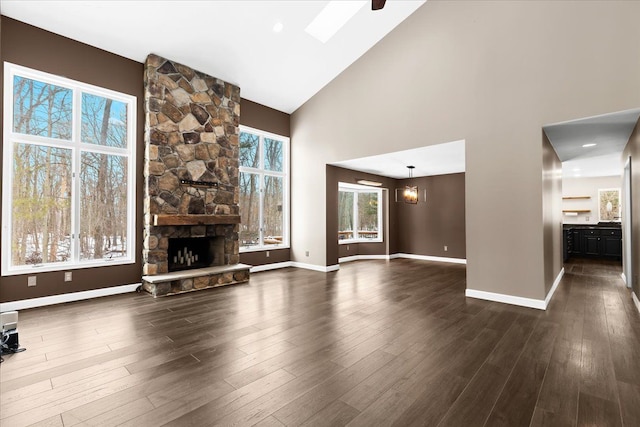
(195,252)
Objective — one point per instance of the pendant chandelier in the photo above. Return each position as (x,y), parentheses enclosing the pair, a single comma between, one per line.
(410,194)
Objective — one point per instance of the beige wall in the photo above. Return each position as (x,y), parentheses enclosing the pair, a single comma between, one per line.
(551,213)
(633,149)
(492,73)
(588,186)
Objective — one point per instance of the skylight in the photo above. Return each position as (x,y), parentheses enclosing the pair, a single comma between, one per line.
(333,17)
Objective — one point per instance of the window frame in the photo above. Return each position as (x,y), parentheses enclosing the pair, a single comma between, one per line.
(261,172)
(618,212)
(357,189)
(77,147)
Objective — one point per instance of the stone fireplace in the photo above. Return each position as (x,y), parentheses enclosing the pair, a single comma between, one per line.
(191,214)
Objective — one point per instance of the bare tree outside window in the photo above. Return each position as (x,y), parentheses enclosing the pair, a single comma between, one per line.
(263,187)
(44,188)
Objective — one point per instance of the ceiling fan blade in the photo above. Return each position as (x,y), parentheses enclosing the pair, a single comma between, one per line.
(377,4)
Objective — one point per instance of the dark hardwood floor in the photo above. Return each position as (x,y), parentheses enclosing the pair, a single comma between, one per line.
(376,343)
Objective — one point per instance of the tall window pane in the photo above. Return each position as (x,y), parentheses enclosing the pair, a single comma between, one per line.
(41,109)
(104,121)
(103,206)
(249,150)
(273,219)
(345,215)
(67,187)
(249,209)
(368,215)
(264,190)
(41,205)
(273,157)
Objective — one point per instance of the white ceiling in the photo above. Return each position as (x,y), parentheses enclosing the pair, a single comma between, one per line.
(610,133)
(231,40)
(437,159)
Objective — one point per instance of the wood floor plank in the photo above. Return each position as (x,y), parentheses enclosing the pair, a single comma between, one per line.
(629,403)
(375,343)
(595,411)
(597,371)
(473,406)
(304,407)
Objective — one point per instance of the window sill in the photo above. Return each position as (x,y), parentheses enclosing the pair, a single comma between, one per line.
(352,241)
(263,248)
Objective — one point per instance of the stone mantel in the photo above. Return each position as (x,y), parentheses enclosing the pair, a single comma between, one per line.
(170,219)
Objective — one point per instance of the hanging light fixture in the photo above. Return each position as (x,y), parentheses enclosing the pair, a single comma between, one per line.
(410,194)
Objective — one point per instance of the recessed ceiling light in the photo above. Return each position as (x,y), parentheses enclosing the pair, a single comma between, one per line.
(588,145)
(333,17)
(278,27)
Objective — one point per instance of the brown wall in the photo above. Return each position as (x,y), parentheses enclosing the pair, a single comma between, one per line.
(334,250)
(633,149)
(269,120)
(32,47)
(551,212)
(424,229)
(264,118)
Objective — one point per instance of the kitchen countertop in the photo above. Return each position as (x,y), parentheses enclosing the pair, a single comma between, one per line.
(600,226)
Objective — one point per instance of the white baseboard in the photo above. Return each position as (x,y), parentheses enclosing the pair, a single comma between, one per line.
(430,258)
(507,299)
(274,266)
(62,298)
(635,300)
(320,268)
(362,257)
(553,288)
(624,279)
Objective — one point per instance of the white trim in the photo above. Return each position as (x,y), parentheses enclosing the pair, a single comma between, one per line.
(553,288)
(514,300)
(59,299)
(76,148)
(262,173)
(507,299)
(272,266)
(636,301)
(624,278)
(321,268)
(362,257)
(430,258)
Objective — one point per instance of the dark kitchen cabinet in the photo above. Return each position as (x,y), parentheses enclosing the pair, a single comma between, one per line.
(576,244)
(593,242)
(612,243)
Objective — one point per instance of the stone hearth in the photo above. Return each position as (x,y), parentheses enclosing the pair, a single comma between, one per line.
(191,175)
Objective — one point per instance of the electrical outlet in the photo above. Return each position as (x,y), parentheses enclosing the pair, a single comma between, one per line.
(306,253)
(587,218)
(267,254)
(68,276)
(31,281)
(446,248)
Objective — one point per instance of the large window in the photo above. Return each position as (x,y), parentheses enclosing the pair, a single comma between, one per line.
(68,174)
(359,214)
(264,190)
